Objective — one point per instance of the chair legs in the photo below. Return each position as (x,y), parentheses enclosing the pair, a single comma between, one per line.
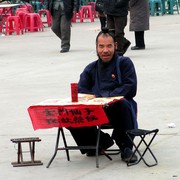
(142,134)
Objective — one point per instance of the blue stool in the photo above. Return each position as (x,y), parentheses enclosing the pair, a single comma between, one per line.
(172,6)
(156,7)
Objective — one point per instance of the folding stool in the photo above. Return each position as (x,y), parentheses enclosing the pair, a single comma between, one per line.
(20,161)
(142,134)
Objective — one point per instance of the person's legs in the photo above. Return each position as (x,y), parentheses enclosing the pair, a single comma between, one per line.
(56,21)
(87,136)
(61,26)
(139,40)
(119,115)
(84,136)
(139,37)
(65,33)
(120,24)
(102,21)
(110,22)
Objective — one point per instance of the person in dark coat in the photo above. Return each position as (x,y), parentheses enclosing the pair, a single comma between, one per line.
(111,75)
(100,9)
(139,21)
(62,13)
(117,11)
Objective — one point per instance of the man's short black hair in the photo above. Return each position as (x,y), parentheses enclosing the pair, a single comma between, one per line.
(107,32)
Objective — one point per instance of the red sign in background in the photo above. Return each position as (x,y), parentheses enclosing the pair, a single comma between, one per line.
(46,116)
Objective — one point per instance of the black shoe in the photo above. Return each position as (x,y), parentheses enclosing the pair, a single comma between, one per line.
(126,45)
(137,48)
(127,154)
(64,50)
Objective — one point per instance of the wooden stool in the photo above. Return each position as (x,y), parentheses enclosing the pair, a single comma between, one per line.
(20,161)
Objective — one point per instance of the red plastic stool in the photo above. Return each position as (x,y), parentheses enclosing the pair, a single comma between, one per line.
(22,9)
(13,24)
(22,15)
(29,7)
(93,4)
(48,16)
(76,16)
(33,22)
(3,19)
(86,13)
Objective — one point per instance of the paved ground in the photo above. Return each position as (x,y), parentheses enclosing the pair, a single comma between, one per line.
(32,69)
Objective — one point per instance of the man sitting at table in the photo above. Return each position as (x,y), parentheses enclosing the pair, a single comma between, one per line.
(110,75)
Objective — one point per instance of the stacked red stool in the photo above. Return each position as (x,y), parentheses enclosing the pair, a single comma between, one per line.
(14,24)
(27,6)
(48,16)
(76,16)
(22,15)
(33,22)
(93,4)
(22,9)
(86,13)
(4,13)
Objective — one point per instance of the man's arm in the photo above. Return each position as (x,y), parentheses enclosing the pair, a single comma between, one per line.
(85,83)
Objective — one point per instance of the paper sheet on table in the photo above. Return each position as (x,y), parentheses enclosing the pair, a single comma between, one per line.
(82,99)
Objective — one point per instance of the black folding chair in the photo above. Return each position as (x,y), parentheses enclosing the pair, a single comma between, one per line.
(142,134)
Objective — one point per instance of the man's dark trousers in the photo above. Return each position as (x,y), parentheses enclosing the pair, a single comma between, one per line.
(119,115)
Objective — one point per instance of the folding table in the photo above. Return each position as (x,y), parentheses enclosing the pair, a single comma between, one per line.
(64,114)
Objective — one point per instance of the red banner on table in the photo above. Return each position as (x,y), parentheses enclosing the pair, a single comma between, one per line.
(50,116)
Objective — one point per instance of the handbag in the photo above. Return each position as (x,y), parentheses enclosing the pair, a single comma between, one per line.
(99,7)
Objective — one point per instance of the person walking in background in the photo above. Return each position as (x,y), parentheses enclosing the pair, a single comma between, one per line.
(100,9)
(139,21)
(117,11)
(62,13)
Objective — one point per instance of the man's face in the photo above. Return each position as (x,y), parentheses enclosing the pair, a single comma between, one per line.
(105,48)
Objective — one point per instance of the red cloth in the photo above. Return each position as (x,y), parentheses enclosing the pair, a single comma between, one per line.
(49,116)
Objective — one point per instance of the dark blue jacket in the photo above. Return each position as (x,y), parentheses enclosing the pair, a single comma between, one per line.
(117,78)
